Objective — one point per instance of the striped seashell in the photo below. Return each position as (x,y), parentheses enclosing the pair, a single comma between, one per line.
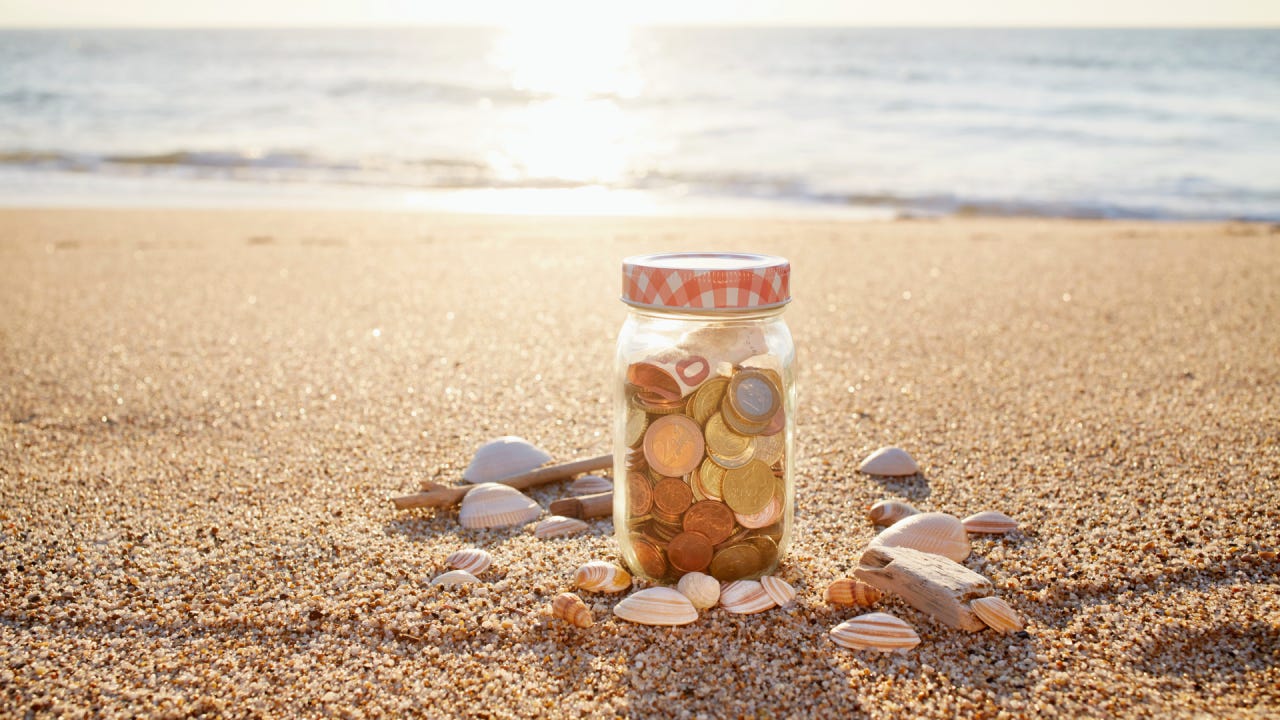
(875,631)
(495,505)
(890,461)
(701,589)
(571,609)
(990,522)
(852,591)
(600,576)
(937,533)
(503,457)
(745,597)
(656,606)
(888,512)
(473,560)
(558,525)
(590,485)
(778,589)
(455,577)
(997,614)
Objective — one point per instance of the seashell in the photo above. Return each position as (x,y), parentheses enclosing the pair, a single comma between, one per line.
(778,589)
(852,591)
(656,606)
(888,512)
(745,597)
(701,589)
(558,525)
(600,576)
(495,505)
(455,577)
(590,485)
(990,522)
(937,533)
(571,609)
(473,560)
(997,614)
(503,457)
(875,631)
(889,461)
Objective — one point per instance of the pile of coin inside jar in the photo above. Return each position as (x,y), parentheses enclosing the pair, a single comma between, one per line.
(705,486)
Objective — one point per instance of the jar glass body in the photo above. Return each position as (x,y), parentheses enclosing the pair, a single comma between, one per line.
(704,418)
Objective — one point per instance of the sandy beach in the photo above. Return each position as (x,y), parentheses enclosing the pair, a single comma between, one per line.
(203,415)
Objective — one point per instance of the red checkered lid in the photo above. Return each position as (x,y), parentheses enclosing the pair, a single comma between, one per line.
(706,281)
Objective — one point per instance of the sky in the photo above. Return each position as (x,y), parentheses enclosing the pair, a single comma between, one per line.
(224,13)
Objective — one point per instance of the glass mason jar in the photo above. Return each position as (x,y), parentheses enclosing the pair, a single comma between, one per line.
(704,416)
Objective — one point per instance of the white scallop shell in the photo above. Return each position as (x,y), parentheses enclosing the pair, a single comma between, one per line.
(701,589)
(656,606)
(937,533)
(778,589)
(558,525)
(990,522)
(890,461)
(495,505)
(590,485)
(875,631)
(601,576)
(745,597)
(888,512)
(455,577)
(473,560)
(503,457)
(997,614)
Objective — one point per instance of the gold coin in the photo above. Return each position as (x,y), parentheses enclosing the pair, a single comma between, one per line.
(747,490)
(768,550)
(766,517)
(711,479)
(637,421)
(706,400)
(735,562)
(726,447)
(673,445)
(769,448)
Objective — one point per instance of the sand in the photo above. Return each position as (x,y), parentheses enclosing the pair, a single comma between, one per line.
(204,413)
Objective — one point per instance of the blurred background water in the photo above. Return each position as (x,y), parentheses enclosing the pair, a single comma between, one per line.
(1081,123)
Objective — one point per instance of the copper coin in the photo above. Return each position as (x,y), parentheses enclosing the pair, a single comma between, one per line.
(735,562)
(754,396)
(690,552)
(639,494)
(649,558)
(656,405)
(711,518)
(652,379)
(673,445)
(672,496)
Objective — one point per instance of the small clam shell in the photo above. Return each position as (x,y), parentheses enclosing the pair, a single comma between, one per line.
(997,614)
(495,505)
(590,485)
(571,609)
(937,533)
(600,576)
(503,457)
(745,597)
(778,589)
(656,606)
(473,560)
(701,589)
(990,522)
(875,631)
(455,577)
(889,461)
(852,591)
(888,512)
(558,525)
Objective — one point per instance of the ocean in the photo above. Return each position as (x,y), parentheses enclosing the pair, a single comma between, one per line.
(1092,123)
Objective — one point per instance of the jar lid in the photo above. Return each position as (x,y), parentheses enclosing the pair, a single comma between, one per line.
(706,281)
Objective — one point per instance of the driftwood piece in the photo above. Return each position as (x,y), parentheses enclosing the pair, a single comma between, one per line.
(584,507)
(443,496)
(929,583)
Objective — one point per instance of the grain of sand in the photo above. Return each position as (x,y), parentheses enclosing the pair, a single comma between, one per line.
(204,413)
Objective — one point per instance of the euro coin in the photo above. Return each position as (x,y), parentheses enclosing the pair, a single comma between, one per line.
(673,445)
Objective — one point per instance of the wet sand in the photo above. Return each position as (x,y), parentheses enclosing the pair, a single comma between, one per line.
(203,414)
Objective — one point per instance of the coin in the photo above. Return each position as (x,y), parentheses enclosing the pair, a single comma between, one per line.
(650,378)
(776,424)
(748,489)
(712,519)
(769,448)
(690,552)
(753,396)
(735,562)
(706,400)
(673,445)
(637,421)
(639,494)
(649,558)
(672,496)
(657,405)
(768,550)
(766,517)
(726,447)
(711,479)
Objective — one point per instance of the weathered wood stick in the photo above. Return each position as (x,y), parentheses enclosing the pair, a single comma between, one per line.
(584,507)
(443,496)
(929,583)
